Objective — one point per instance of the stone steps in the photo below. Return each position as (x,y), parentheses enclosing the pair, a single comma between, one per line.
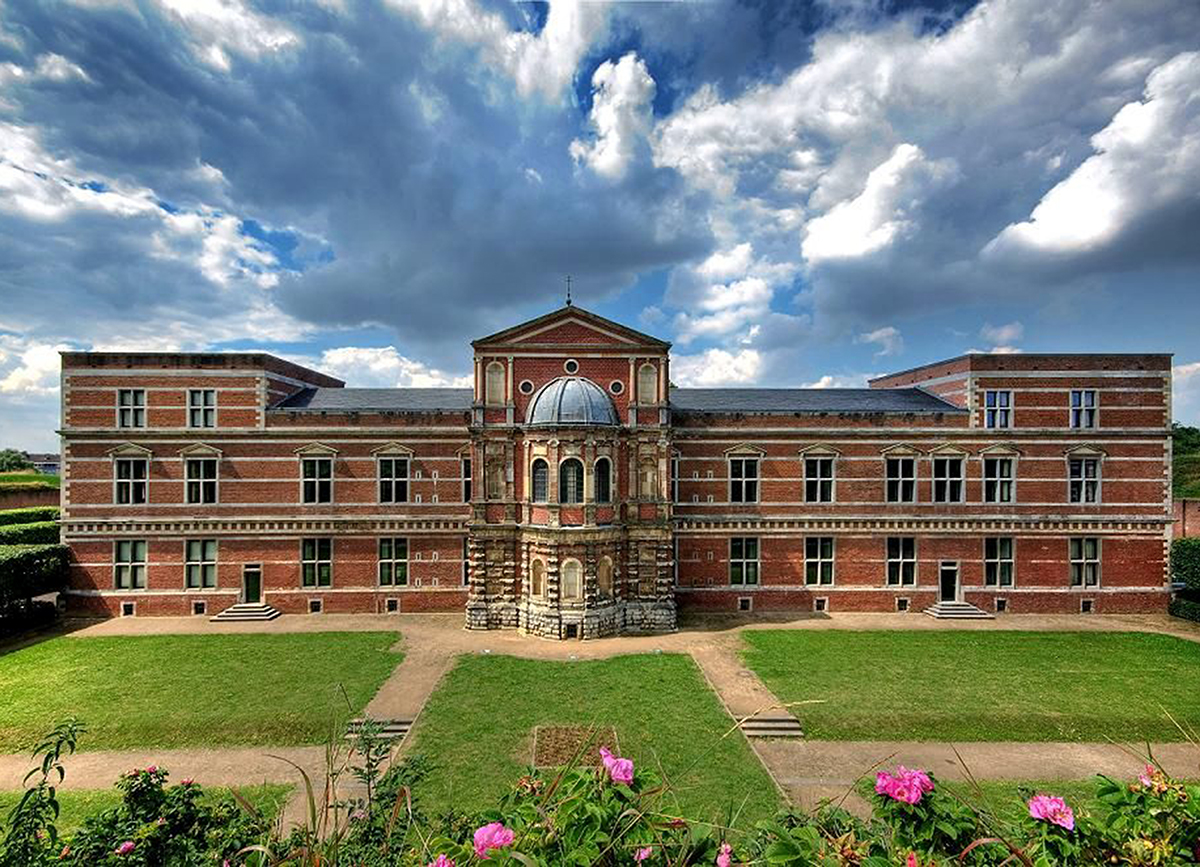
(244,612)
(394,729)
(772,727)
(958,611)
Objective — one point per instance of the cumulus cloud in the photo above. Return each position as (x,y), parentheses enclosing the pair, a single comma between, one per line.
(716,367)
(1185,381)
(888,339)
(833,380)
(1002,334)
(28,368)
(622,94)
(384,367)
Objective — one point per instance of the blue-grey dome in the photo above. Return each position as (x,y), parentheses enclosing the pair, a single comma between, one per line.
(572,400)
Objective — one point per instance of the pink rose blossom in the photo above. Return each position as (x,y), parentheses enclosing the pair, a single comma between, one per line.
(493,836)
(725,855)
(125,848)
(151,769)
(441,861)
(186,781)
(1147,779)
(1052,810)
(619,769)
(642,854)
(906,785)
(912,860)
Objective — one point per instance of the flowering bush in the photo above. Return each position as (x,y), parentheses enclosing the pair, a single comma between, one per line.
(922,818)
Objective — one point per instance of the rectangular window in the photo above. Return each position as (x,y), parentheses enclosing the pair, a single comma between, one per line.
(201,480)
(201,563)
(318,480)
(466,479)
(998,480)
(316,562)
(947,480)
(393,480)
(743,560)
(131,407)
(202,407)
(998,561)
(1085,562)
(743,480)
(1083,408)
(131,480)
(1085,480)
(818,560)
(129,565)
(818,480)
(901,480)
(997,409)
(393,562)
(901,561)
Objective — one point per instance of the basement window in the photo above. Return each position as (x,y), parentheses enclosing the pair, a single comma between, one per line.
(199,608)
(1001,606)
(745,603)
(821,604)
(1086,606)
(901,604)
(128,609)
(314,606)
(393,605)
(572,630)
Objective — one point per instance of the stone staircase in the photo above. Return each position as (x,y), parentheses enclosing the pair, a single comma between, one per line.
(396,729)
(779,726)
(244,612)
(958,611)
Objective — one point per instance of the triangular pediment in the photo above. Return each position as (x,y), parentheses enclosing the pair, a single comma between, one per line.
(745,449)
(949,450)
(820,450)
(901,450)
(1085,450)
(1000,449)
(200,450)
(317,450)
(129,450)
(393,448)
(571,326)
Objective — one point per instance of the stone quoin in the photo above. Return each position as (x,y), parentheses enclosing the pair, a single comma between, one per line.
(573,492)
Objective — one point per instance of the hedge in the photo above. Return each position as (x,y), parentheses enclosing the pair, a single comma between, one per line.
(1186,605)
(39,533)
(31,570)
(28,515)
(1185,562)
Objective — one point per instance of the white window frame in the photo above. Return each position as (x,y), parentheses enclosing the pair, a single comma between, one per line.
(135,569)
(900,480)
(317,561)
(131,414)
(315,480)
(1084,415)
(949,480)
(997,560)
(200,482)
(747,564)
(997,408)
(997,480)
(1083,561)
(1083,480)
(201,564)
(397,566)
(131,482)
(392,481)
(202,404)
(900,561)
(820,561)
(819,479)
(748,487)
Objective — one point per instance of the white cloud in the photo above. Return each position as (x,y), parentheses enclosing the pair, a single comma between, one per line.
(36,369)
(1147,158)
(831,380)
(1002,334)
(888,338)
(384,367)
(1185,392)
(217,27)
(620,117)
(716,367)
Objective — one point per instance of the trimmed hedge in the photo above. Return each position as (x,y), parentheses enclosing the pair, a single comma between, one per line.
(28,515)
(22,618)
(31,570)
(39,533)
(1185,605)
(1185,562)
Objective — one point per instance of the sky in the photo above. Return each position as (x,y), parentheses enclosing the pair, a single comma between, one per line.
(802,195)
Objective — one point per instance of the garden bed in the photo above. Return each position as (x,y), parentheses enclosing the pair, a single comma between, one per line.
(557,746)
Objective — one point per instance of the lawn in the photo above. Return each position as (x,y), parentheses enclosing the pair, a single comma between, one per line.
(29,478)
(981,686)
(477,729)
(80,804)
(1008,799)
(191,690)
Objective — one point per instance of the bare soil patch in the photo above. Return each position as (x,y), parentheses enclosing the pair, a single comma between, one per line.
(555,746)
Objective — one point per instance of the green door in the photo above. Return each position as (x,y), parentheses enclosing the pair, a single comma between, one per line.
(252,583)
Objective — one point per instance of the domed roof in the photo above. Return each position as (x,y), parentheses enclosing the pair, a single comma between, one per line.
(572,400)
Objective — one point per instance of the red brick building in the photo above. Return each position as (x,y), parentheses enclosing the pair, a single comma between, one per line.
(573,492)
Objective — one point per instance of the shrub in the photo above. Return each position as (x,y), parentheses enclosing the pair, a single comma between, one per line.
(29,515)
(1185,562)
(37,533)
(20,618)
(1186,604)
(31,570)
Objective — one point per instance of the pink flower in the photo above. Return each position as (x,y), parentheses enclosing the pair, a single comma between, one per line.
(1147,779)
(125,848)
(441,861)
(152,769)
(619,769)
(912,860)
(493,836)
(906,786)
(725,855)
(642,854)
(186,781)
(1052,810)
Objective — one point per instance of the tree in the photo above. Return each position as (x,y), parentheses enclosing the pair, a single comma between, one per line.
(11,459)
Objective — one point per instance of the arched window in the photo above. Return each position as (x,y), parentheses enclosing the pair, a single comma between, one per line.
(647,384)
(541,481)
(648,479)
(570,481)
(603,481)
(572,580)
(538,585)
(604,577)
(494,384)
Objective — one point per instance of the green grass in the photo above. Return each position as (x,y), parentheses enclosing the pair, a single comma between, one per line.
(477,728)
(191,690)
(78,805)
(1007,799)
(29,478)
(981,686)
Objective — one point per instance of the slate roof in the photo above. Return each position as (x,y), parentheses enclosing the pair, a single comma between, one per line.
(380,399)
(792,400)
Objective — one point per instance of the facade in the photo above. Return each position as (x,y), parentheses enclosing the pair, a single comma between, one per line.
(43,462)
(573,492)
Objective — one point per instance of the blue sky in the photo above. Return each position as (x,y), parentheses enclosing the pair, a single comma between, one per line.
(802,194)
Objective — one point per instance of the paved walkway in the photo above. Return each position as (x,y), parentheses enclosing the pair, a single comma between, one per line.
(805,770)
